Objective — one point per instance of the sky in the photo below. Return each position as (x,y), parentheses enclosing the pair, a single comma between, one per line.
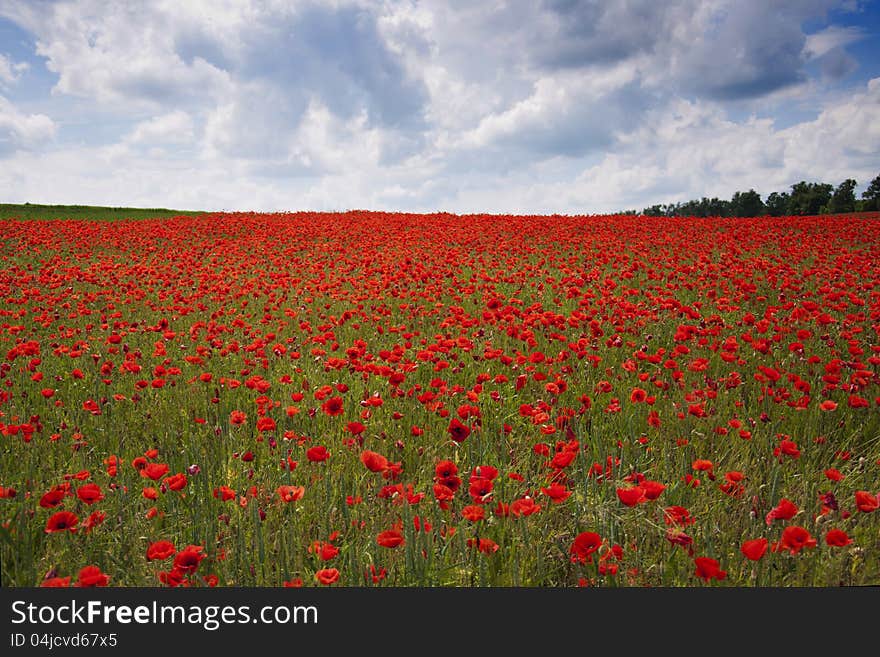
(528,107)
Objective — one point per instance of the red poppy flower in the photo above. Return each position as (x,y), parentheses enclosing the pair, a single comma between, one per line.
(95,518)
(867,502)
(54,497)
(237,418)
(754,549)
(224,493)
(291,493)
(61,521)
(324,550)
(785,510)
(173,578)
(484,472)
(703,465)
(327,576)
(266,424)
(794,539)
(458,431)
(652,489)
(484,545)
(112,465)
(374,461)
(473,513)
(188,559)
(708,569)
(854,401)
(583,546)
(632,495)
(524,506)
(317,454)
(480,489)
(443,495)
(677,537)
(333,406)
(91,576)
(837,538)
(160,550)
(834,474)
(155,471)
(678,516)
(176,482)
(563,459)
(445,469)
(55,582)
(787,448)
(557,493)
(390,538)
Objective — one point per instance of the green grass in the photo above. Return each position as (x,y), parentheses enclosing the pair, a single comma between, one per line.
(31,211)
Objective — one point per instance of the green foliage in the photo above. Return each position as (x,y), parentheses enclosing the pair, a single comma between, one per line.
(747,204)
(871,196)
(844,198)
(777,204)
(28,211)
(805,198)
(809,198)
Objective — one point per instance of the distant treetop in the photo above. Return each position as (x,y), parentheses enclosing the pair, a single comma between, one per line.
(805,198)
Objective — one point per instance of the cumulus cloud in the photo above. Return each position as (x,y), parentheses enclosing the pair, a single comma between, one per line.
(116,53)
(828,48)
(566,115)
(19,130)
(10,71)
(172,128)
(831,38)
(578,33)
(687,150)
(337,54)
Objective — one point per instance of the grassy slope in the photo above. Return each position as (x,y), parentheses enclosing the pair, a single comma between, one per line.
(32,211)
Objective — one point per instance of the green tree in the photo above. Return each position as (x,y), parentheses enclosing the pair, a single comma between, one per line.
(746,204)
(871,196)
(777,204)
(809,198)
(844,197)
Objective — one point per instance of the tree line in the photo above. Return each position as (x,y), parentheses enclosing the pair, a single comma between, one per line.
(805,198)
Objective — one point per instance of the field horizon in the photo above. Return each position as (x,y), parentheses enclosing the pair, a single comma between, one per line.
(41,211)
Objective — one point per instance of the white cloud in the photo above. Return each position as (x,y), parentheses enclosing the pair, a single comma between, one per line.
(10,71)
(19,130)
(688,150)
(172,128)
(117,53)
(833,36)
(581,111)
(844,137)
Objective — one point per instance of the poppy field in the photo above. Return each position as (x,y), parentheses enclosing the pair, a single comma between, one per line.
(375,399)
